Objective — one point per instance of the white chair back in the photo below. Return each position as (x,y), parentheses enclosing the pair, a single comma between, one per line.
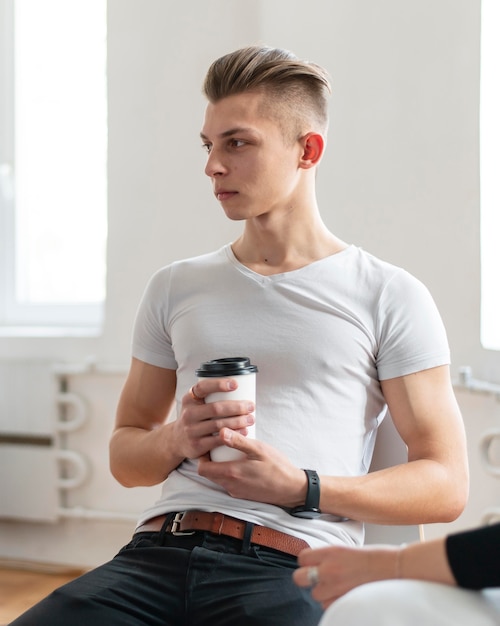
(390,450)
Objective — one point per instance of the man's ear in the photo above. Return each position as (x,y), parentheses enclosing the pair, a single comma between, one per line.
(313,146)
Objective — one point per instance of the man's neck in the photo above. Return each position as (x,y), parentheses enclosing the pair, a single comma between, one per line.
(269,252)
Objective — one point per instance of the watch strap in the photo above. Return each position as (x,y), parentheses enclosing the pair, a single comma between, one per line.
(310,508)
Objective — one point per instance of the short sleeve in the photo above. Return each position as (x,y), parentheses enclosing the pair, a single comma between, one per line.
(410,331)
(151,341)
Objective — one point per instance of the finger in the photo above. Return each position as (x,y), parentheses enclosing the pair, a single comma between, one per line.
(234,414)
(310,557)
(315,556)
(307,577)
(204,387)
(300,577)
(195,395)
(236,440)
(204,458)
(326,603)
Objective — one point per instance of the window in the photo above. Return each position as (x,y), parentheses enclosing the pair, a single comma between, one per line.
(490,178)
(53,161)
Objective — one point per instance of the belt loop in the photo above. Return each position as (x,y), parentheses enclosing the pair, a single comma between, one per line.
(163,529)
(246,546)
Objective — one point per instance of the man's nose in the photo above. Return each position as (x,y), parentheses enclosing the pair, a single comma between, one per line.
(214,165)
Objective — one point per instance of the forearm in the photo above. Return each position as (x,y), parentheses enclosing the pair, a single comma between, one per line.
(425,561)
(417,492)
(140,457)
(415,561)
(340,568)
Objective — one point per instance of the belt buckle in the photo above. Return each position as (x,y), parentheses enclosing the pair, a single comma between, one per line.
(176,522)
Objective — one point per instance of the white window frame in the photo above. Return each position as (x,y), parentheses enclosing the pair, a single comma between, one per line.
(490,175)
(69,319)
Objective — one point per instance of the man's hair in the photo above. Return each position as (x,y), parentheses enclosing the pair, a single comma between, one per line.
(296,92)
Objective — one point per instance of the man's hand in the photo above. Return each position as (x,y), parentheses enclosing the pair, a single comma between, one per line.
(264,475)
(197,429)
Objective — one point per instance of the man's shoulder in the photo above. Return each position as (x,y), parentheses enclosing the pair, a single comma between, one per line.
(373,268)
(196,263)
(379,278)
(188,271)
(370,260)
(205,259)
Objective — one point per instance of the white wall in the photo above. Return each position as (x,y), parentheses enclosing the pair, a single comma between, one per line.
(400,177)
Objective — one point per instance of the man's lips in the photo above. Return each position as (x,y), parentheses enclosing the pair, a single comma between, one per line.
(223,194)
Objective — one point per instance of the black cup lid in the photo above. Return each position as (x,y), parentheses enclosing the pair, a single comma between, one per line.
(230,366)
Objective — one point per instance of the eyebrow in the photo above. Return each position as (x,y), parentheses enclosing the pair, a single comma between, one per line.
(230,132)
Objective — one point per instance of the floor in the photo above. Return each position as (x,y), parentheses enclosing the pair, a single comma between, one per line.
(20,589)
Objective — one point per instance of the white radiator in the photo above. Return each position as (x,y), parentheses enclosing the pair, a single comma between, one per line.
(490,438)
(33,422)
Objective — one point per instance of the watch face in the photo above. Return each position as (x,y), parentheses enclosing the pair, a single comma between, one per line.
(301,511)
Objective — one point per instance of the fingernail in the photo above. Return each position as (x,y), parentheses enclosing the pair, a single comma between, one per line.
(232,384)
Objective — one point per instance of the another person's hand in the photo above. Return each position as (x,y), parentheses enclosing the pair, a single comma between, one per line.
(335,570)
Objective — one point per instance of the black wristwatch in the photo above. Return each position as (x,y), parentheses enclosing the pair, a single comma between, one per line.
(310,509)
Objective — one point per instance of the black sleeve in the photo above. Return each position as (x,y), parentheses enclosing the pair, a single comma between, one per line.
(474,557)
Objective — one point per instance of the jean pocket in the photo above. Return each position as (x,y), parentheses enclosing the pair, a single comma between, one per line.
(141,540)
(275,557)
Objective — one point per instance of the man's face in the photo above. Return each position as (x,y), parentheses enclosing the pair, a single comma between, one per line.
(253,170)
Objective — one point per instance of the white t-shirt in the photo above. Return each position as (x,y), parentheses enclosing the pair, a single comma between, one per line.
(322,336)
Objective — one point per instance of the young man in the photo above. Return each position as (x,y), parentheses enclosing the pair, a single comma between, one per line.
(337,336)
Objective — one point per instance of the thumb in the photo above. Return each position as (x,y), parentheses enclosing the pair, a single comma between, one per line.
(236,440)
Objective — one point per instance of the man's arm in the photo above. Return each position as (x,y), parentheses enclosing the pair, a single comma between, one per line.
(431,487)
(140,453)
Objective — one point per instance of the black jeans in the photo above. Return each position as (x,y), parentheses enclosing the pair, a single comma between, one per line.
(193,580)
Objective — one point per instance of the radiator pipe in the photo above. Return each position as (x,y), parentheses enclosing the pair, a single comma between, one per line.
(78,512)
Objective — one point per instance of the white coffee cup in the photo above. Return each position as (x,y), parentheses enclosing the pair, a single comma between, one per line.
(245,372)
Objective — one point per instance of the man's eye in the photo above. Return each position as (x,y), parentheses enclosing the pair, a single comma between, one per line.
(236,143)
(207,147)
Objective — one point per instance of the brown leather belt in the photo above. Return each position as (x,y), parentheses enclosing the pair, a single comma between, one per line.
(188,522)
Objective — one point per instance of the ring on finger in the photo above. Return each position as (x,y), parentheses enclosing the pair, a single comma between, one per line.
(194,396)
(312,576)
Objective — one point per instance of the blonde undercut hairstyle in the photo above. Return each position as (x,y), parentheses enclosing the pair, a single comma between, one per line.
(296,91)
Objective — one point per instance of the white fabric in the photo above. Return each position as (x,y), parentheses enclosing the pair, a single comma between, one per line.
(414,603)
(322,336)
